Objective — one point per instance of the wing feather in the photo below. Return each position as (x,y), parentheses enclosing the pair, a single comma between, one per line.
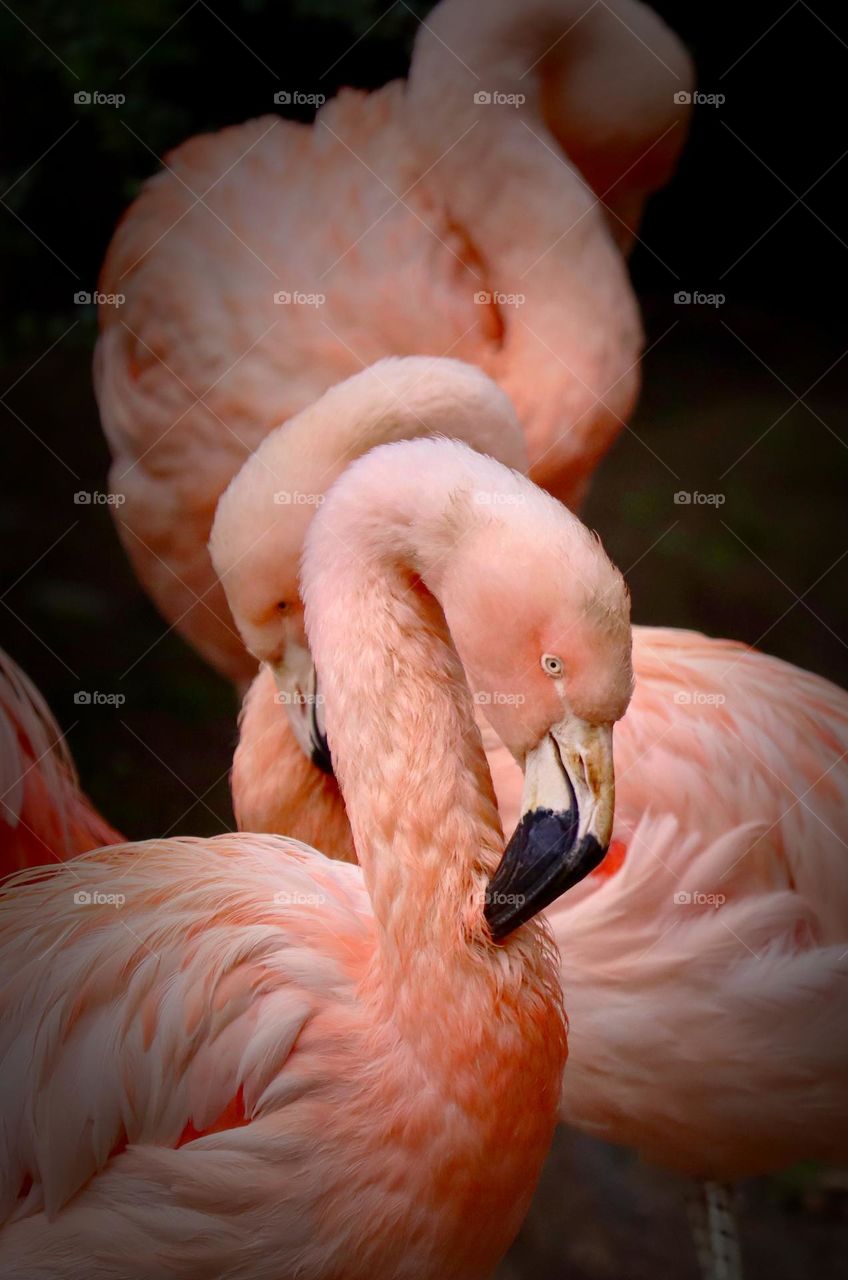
(156,986)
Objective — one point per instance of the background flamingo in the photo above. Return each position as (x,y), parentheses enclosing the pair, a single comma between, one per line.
(428,223)
(43,813)
(709,399)
(263,1069)
(716,734)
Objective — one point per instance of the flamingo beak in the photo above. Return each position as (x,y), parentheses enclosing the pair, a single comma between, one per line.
(297,685)
(565,827)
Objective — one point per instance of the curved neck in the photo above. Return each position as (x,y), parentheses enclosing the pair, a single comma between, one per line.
(571,333)
(464,47)
(400,398)
(398,712)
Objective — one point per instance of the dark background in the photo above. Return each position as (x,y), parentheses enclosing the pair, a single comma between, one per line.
(745,400)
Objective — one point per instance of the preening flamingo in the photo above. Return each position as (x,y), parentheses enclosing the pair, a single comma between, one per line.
(606,79)
(281,1065)
(412,220)
(686,1015)
(43,813)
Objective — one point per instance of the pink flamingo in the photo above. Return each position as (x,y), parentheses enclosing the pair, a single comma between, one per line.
(282,1065)
(43,813)
(726,999)
(410,220)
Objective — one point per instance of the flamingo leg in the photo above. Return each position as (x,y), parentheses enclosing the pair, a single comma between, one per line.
(713,1221)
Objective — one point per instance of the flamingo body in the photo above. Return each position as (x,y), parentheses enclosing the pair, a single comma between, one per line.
(283,1065)
(369,226)
(686,1018)
(717,737)
(707,1005)
(200,363)
(234,971)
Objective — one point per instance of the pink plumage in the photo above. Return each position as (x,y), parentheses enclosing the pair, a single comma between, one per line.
(731,780)
(235,1057)
(410,220)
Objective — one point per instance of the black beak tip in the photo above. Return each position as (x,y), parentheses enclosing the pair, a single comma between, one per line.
(320,755)
(542,860)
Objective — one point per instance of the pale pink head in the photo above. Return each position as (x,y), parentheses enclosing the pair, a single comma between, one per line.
(538,616)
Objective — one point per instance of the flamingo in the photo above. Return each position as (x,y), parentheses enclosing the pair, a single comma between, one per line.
(42,810)
(412,220)
(282,1065)
(703,1027)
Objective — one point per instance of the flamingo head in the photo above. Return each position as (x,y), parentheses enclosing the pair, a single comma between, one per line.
(256,543)
(269,614)
(543,633)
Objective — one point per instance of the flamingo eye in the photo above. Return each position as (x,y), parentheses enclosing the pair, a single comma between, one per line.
(552,665)
(282,606)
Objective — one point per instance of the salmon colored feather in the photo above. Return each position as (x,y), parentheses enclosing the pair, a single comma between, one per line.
(398,1073)
(413,220)
(731,788)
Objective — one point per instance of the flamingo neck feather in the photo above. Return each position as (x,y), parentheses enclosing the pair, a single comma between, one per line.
(399,714)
